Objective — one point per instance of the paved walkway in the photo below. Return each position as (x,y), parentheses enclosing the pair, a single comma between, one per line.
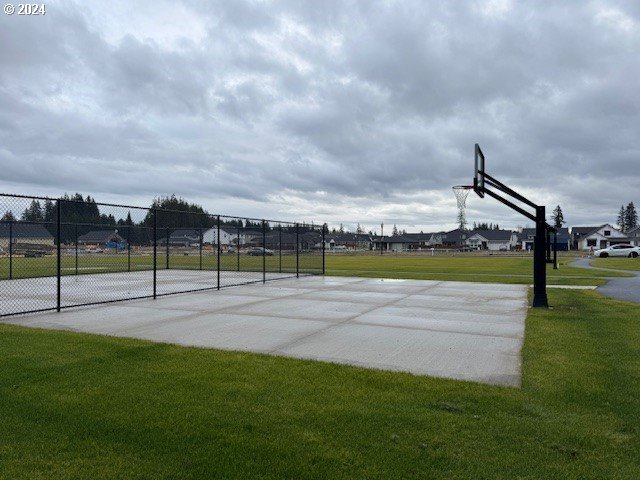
(621,288)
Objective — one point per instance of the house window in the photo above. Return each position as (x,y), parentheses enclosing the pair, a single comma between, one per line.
(591,242)
(607,233)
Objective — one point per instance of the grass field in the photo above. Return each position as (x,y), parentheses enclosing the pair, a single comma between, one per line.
(46,266)
(83,406)
(617,263)
(500,269)
(463,268)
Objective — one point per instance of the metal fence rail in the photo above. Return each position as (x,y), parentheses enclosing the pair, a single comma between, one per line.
(67,252)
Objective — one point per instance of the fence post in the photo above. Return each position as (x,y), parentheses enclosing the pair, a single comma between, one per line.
(10,249)
(238,247)
(218,243)
(264,251)
(155,251)
(297,250)
(76,243)
(280,248)
(167,259)
(323,251)
(129,248)
(58,254)
(200,248)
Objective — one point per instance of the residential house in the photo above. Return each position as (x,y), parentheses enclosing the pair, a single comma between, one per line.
(494,240)
(182,237)
(454,239)
(24,233)
(585,238)
(563,239)
(348,241)
(228,236)
(395,243)
(634,236)
(99,238)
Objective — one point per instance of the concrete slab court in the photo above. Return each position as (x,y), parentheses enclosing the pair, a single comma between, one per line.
(460,330)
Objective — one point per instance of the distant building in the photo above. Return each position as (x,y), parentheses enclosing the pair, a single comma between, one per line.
(495,240)
(563,238)
(99,238)
(585,238)
(22,233)
(634,236)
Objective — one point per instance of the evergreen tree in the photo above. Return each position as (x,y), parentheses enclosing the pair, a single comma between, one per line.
(394,232)
(558,217)
(622,218)
(631,217)
(462,220)
(8,217)
(33,213)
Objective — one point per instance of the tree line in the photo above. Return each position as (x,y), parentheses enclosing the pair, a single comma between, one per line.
(79,215)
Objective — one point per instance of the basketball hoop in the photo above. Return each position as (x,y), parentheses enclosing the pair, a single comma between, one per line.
(462,192)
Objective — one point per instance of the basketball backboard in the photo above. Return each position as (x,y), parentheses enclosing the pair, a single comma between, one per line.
(478,177)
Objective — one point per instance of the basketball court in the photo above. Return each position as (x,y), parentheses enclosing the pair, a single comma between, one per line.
(467,331)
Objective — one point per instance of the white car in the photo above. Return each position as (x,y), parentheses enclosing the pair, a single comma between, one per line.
(621,250)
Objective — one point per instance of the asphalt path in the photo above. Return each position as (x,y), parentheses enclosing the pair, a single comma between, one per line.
(621,288)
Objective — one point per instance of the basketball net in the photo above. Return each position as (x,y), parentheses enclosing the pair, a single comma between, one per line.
(462,192)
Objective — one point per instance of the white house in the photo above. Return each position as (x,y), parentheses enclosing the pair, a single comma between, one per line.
(494,240)
(634,236)
(597,237)
(230,237)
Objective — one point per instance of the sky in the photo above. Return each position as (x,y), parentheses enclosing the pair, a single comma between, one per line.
(327,111)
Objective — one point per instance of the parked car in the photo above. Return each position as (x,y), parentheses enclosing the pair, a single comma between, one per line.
(259,251)
(621,250)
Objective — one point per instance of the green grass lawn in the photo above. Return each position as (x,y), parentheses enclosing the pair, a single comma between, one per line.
(501,269)
(618,263)
(46,266)
(462,268)
(83,406)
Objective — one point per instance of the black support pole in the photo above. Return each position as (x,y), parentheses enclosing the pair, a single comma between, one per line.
(539,261)
(264,251)
(280,248)
(238,247)
(218,243)
(555,250)
(129,248)
(167,259)
(323,251)
(10,249)
(58,255)
(155,252)
(200,248)
(297,250)
(76,233)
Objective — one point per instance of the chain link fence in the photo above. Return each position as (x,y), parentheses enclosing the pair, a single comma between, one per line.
(67,252)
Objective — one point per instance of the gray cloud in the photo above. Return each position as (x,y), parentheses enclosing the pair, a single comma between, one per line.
(338,111)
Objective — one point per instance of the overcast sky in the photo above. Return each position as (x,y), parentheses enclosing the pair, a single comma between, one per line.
(334,111)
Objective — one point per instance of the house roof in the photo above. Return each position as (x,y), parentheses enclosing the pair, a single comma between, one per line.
(455,236)
(528,233)
(493,235)
(24,230)
(98,236)
(586,231)
(634,232)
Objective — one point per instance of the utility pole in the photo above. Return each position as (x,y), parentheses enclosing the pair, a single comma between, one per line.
(381,237)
